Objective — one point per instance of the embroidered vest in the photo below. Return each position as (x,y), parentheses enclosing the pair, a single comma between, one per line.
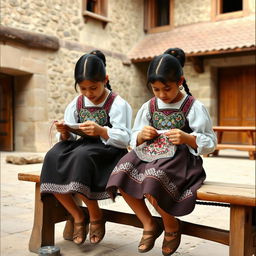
(99,115)
(165,119)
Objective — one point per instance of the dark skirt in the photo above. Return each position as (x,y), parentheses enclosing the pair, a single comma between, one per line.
(173,182)
(81,166)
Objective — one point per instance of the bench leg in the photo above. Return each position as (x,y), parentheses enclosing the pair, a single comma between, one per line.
(46,214)
(36,238)
(241,231)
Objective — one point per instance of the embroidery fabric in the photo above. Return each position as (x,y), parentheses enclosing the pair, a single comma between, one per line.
(155,149)
(73,187)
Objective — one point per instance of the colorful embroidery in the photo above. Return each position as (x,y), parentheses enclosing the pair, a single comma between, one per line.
(165,122)
(98,116)
(168,185)
(155,149)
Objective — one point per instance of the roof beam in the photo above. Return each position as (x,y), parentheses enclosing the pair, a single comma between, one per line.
(30,39)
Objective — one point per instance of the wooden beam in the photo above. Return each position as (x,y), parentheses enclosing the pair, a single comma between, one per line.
(29,39)
(198,64)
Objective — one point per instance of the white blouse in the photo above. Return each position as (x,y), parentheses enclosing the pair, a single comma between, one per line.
(120,118)
(198,119)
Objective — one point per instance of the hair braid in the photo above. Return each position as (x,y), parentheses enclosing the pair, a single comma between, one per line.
(186,87)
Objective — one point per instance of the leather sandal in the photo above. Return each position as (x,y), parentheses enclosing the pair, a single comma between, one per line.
(174,243)
(149,242)
(98,230)
(80,231)
(69,229)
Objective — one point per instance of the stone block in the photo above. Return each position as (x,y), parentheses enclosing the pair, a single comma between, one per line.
(10,56)
(26,159)
(35,66)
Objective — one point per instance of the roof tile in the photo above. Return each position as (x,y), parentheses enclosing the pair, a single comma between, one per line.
(199,38)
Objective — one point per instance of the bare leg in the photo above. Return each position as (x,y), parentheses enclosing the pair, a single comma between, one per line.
(69,203)
(93,208)
(141,211)
(170,222)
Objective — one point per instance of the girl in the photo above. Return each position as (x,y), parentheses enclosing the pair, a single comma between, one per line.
(82,167)
(170,131)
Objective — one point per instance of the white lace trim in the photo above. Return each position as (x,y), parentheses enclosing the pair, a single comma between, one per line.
(73,187)
(160,175)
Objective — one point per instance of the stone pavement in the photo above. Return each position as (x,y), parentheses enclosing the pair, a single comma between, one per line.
(17,209)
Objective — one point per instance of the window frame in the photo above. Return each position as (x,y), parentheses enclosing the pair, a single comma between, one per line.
(100,14)
(217,15)
(149,17)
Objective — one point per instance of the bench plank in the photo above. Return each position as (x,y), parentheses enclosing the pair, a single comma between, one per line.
(238,147)
(240,194)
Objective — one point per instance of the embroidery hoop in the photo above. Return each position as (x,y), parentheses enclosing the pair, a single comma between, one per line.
(168,149)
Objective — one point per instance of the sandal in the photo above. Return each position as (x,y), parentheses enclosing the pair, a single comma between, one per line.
(174,243)
(80,231)
(98,231)
(149,242)
(69,229)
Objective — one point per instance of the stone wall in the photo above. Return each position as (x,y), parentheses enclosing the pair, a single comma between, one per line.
(124,30)
(44,83)
(61,18)
(199,11)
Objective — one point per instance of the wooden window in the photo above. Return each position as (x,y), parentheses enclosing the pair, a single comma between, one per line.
(96,9)
(226,9)
(158,15)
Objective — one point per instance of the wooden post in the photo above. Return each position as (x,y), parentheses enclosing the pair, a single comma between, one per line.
(240,236)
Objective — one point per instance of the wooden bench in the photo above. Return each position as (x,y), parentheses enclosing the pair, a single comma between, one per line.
(241,237)
(249,130)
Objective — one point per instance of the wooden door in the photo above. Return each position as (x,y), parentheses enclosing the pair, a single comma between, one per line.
(6,113)
(236,100)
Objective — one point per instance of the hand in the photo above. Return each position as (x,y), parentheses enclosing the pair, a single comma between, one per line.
(62,129)
(91,128)
(147,133)
(177,136)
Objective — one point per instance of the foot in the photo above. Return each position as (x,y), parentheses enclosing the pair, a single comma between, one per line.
(148,239)
(171,240)
(80,232)
(97,231)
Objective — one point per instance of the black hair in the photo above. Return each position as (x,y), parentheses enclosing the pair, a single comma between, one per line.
(164,68)
(100,54)
(179,54)
(89,67)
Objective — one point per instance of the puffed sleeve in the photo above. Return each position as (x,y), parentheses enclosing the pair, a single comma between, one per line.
(70,116)
(120,118)
(201,125)
(142,119)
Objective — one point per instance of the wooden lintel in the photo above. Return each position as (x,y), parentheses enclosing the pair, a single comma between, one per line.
(29,39)
(198,64)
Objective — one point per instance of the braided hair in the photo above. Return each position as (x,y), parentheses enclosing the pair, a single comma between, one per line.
(179,54)
(100,54)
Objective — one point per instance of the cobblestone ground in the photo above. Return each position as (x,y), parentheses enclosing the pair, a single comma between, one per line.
(17,211)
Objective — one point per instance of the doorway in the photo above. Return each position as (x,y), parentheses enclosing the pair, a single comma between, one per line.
(236,100)
(6,113)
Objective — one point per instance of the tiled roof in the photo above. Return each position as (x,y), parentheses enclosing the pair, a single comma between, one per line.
(198,39)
